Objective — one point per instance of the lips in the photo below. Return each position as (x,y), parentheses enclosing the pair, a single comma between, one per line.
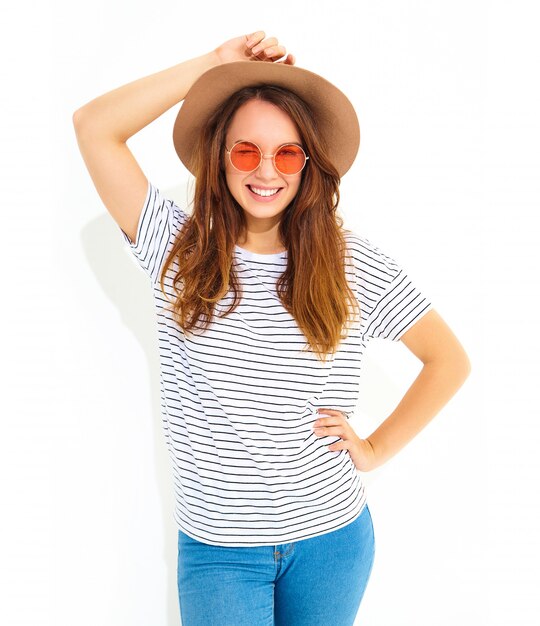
(252,187)
(264,198)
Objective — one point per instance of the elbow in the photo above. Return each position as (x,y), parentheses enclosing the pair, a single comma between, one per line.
(459,368)
(77,122)
(463,363)
(468,366)
(83,119)
(462,370)
(457,365)
(76,118)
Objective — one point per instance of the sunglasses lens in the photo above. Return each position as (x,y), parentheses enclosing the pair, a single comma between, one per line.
(290,159)
(245,156)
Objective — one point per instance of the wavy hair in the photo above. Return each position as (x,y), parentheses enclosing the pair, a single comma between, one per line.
(313,288)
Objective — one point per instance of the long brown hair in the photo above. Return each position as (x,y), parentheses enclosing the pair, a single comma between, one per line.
(313,288)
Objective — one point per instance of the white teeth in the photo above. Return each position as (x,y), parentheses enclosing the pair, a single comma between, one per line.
(264,192)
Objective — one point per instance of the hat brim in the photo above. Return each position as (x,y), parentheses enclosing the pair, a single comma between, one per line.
(335,115)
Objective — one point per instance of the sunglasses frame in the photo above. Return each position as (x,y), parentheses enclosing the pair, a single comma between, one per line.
(263,156)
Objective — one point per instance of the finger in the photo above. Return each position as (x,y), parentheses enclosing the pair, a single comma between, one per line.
(271,46)
(339,445)
(329,431)
(271,42)
(263,54)
(254,38)
(275,52)
(331,412)
(290,60)
(324,421)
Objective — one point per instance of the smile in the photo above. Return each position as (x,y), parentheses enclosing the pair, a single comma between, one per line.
(264,195)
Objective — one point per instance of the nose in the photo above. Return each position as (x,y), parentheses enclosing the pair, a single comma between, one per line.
(266,168)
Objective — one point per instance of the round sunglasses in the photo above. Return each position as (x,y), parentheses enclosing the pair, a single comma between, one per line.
(246,156)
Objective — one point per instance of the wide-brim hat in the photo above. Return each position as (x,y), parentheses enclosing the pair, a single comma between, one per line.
(335,116)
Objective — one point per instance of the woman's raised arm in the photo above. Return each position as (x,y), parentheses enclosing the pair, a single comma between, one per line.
(104,124)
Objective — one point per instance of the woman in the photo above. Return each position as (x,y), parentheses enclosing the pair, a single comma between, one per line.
(265,305)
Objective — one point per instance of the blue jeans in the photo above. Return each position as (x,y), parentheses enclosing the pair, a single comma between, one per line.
(312,582)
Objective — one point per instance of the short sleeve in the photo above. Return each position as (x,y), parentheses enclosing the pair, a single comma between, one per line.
(159,223)
(390,300)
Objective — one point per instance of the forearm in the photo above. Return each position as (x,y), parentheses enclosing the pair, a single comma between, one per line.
(124,111)
(434,386)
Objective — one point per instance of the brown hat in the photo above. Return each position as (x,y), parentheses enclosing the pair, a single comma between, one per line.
(335,115)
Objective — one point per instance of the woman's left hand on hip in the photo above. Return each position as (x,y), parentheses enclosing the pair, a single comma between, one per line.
(336,424)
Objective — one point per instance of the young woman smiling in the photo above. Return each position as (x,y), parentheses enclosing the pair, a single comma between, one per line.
(265,306)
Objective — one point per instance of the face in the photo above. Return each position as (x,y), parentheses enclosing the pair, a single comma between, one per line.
(269,127)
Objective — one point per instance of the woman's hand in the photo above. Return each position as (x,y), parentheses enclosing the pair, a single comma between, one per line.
(336,424)
(253,47)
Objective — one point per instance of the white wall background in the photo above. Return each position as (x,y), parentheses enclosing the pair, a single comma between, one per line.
(447,181)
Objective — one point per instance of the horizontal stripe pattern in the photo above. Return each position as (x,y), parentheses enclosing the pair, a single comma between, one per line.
(159,220)
(238,400)
(391,302)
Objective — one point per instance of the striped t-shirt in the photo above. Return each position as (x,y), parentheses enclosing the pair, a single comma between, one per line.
(238,401)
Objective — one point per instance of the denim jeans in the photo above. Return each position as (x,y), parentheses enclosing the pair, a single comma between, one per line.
(313,582)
